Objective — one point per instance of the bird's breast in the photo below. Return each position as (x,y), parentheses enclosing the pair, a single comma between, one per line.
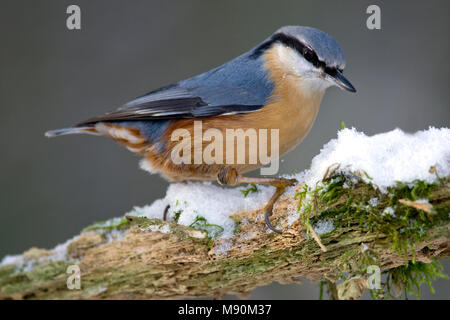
(293,105)
(292,113)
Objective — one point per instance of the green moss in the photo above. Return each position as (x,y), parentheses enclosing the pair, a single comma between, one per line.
(303,204)
(114,223)
(144,222)
(321,289)
(252,189)
(113,281)
(6,271)
(182,232)
(332,190)
(407,280)
(10,277)
(344,198)
(200,223)
(399,282)
(177,215)
(13,281)
(50,271)
(260,261)
(212,230)
(411,191)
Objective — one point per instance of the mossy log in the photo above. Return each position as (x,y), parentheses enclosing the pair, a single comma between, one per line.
(145,263)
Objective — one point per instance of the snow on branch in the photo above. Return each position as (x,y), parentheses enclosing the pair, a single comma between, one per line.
(381,200)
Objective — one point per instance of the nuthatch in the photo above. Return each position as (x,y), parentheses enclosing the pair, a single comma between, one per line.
(278,84)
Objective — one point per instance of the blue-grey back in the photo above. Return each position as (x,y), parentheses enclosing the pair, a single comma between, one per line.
(241,81)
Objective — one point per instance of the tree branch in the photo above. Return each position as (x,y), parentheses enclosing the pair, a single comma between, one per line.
(143,260)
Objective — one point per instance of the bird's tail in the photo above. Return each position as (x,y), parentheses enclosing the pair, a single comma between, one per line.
(71,130)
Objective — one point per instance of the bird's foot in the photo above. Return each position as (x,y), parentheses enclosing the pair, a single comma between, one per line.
(166,210)
(230,176)
(268,208)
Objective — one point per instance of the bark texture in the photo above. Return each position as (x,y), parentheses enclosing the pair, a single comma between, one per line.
(138,262)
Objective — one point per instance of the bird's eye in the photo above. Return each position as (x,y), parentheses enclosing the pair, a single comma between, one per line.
(309,55)
(330,71)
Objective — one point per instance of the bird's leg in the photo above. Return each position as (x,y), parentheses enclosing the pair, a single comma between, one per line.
(269,208)
(166,210)
(231,177)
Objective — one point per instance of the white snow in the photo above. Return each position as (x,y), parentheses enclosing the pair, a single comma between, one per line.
(385,157)
(16,259)
(381,159)
(159,228)
(323,226)
(389,211)
(247,236)
(115,235)
(204,199)
(373,202)
(223,247)
(364,247)
(57,253)
(153,211)
(97,290)
(426,201)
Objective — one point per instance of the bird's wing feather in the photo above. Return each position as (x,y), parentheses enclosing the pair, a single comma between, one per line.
(239,86)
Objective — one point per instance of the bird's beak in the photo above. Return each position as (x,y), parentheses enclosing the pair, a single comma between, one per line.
(341,81)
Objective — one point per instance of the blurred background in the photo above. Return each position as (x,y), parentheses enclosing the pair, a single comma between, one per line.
(51,77)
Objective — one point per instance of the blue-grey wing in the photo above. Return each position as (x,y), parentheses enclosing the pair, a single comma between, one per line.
(239,86)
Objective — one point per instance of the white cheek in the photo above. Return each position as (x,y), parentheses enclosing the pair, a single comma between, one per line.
(296,65)
(314,84)
(292,62)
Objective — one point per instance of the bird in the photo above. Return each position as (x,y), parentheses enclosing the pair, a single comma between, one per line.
(276,85)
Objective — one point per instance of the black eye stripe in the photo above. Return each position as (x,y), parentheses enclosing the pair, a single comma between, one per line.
(301,48)
(291,42)
(310,56)
(284,39)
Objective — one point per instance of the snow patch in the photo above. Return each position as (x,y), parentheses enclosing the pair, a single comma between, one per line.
(324,226)
(373,202)
(389,211)
(223,247)
(115,235)
(364,247)
(159,228)
(384,158)
(25,264)
(194,199)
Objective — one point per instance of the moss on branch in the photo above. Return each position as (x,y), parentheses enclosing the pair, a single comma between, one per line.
(139,258)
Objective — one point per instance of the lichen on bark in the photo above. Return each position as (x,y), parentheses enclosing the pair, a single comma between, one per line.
(139,258)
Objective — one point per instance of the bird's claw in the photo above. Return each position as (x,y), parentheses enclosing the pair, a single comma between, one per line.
(269,225)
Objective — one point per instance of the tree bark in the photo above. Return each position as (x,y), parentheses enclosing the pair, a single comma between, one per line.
(138,262)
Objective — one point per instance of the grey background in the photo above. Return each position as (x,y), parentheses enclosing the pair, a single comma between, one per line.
(51,77)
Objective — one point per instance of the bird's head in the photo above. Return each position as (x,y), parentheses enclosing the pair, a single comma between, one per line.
(309,55)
